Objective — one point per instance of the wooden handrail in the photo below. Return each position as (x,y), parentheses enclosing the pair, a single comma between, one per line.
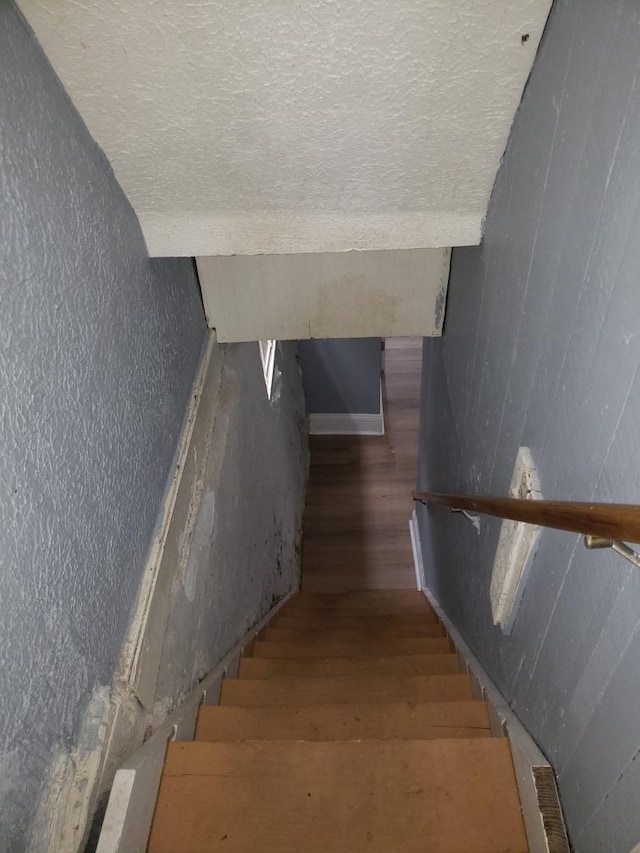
(611,521)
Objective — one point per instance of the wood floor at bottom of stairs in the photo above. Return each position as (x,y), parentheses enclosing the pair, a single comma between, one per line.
(319,797)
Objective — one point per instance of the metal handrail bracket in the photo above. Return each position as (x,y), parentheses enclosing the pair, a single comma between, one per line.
(596,542)
(474,519)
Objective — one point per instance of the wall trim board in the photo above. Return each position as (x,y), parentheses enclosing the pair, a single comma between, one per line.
(346,423)
(129,813)
(141,656)
(116,718)
(118,715)
(528,761)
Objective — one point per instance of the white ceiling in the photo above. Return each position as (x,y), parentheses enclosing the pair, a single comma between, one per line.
(276,126)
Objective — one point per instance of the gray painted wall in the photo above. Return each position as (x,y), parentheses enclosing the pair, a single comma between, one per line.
(341,376)
(542,348)
(98,351)
(99,348)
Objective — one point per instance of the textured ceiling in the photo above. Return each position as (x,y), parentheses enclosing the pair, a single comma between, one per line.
(297,125)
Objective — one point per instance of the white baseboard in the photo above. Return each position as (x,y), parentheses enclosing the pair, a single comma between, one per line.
(127,821)
(345,423)
(527,758)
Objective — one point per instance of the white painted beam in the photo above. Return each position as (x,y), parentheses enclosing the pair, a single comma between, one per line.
(338,295)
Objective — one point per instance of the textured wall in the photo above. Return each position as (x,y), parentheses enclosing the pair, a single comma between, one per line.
(541,348)
(98,350)
(245,551)
(297,127)
(341,375)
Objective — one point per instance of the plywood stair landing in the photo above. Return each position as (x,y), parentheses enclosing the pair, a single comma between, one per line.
(350,728)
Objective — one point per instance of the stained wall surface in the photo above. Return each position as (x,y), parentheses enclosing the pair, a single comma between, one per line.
(244,554)
(332,295)
(541,349)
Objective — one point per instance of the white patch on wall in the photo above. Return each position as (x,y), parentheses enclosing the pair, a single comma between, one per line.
(268,358)
(201,543)
(516,547)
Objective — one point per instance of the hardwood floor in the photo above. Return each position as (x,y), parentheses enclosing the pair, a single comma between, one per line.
(356,533)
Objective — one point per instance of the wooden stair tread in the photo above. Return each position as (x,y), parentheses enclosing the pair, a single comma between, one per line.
(444,795)
(383,576)
(366,608)
(359,598)
(321,647)
(339,667)
(345,722)
(392,632)
(312,691)
(348,619)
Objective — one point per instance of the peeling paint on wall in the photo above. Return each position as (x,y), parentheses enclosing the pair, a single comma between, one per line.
(238,557)
(200,544)
(244,553)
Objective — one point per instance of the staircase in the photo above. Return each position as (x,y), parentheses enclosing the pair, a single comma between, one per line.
(350,728)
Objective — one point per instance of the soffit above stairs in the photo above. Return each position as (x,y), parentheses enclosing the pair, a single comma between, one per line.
(297,125)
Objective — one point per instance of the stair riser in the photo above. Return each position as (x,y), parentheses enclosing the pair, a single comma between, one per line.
(370,609)
(320,621)
(365,596)
(433,664)
(313,691)
(345,722)
(346,635)
(327,648)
